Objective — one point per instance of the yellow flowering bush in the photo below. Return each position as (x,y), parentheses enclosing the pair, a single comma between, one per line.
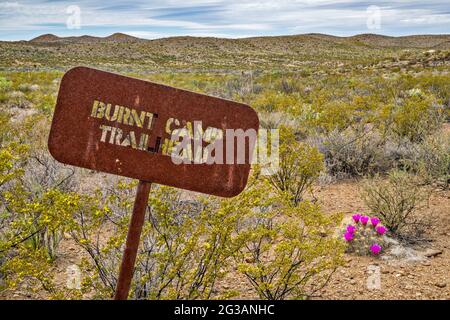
(300,165)
(285,251)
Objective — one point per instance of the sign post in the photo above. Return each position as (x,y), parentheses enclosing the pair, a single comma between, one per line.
(132,244)
(154,133)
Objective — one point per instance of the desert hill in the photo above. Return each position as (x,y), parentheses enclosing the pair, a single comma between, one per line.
(120,51)
(415,41)
(116,37)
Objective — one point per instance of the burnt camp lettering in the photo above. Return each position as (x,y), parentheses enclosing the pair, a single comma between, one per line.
(121,114)
(190,149)
(116,136)
(128,116)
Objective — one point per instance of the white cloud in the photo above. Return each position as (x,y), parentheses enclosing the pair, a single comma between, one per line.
(9,5)
(156,35)
(231,18)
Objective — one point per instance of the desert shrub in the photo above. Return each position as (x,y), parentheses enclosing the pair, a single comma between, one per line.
(30,235)
(40,183)
(184,247)
(365,236)
(429,159)
(11,162)
(352,153)
(27,87)
(28,266)
(16,99)
(432,161)
(396,200)
(299,166)
(284,251)
(415,117)
(289,85)
(334,115)
(307,118)
(34,210)
(39,221)
(271,101)
(436,84)
(11,169)
(274,120)
(401,152)
(13,155)
(33,89)
(187,245)
(5,84)
(42,173)
(5,87)
(242,86)
(47,104)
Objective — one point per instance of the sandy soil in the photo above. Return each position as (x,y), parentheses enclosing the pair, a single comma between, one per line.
(400,279)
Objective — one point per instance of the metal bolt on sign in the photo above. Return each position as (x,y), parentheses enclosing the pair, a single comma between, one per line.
(132,128)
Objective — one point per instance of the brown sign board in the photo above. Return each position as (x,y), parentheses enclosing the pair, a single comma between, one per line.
(121,125)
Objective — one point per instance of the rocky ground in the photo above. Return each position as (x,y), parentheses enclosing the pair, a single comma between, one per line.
(420,272)
(405,271)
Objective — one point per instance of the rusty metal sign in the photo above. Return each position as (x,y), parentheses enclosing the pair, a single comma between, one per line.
(123,126)
(154,133)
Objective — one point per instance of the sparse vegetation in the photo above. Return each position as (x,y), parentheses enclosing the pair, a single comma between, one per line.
(377,114)
(185,245)
(300,165)
(285,250)
(397,200)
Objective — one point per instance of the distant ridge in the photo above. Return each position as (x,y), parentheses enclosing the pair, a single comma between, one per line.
(122,37)
(275,42)
(289,52)
(46,38)
(116,37)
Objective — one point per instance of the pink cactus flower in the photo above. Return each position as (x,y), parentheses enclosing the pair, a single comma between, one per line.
(375,248)
(351,229)
(364,220)
(356,218)
(375,221)
(381,230)
(348,236)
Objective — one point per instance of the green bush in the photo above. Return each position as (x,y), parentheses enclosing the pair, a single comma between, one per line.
(33,214)
(272,101)
(396,200)
(285,251)
(188,245)
(299,166)
(433,160)
(352,153)
(184,248)
(274,120)
(415,117)
(5,84)
(334,115)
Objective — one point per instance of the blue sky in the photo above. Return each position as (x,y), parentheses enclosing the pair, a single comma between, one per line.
(23,20)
